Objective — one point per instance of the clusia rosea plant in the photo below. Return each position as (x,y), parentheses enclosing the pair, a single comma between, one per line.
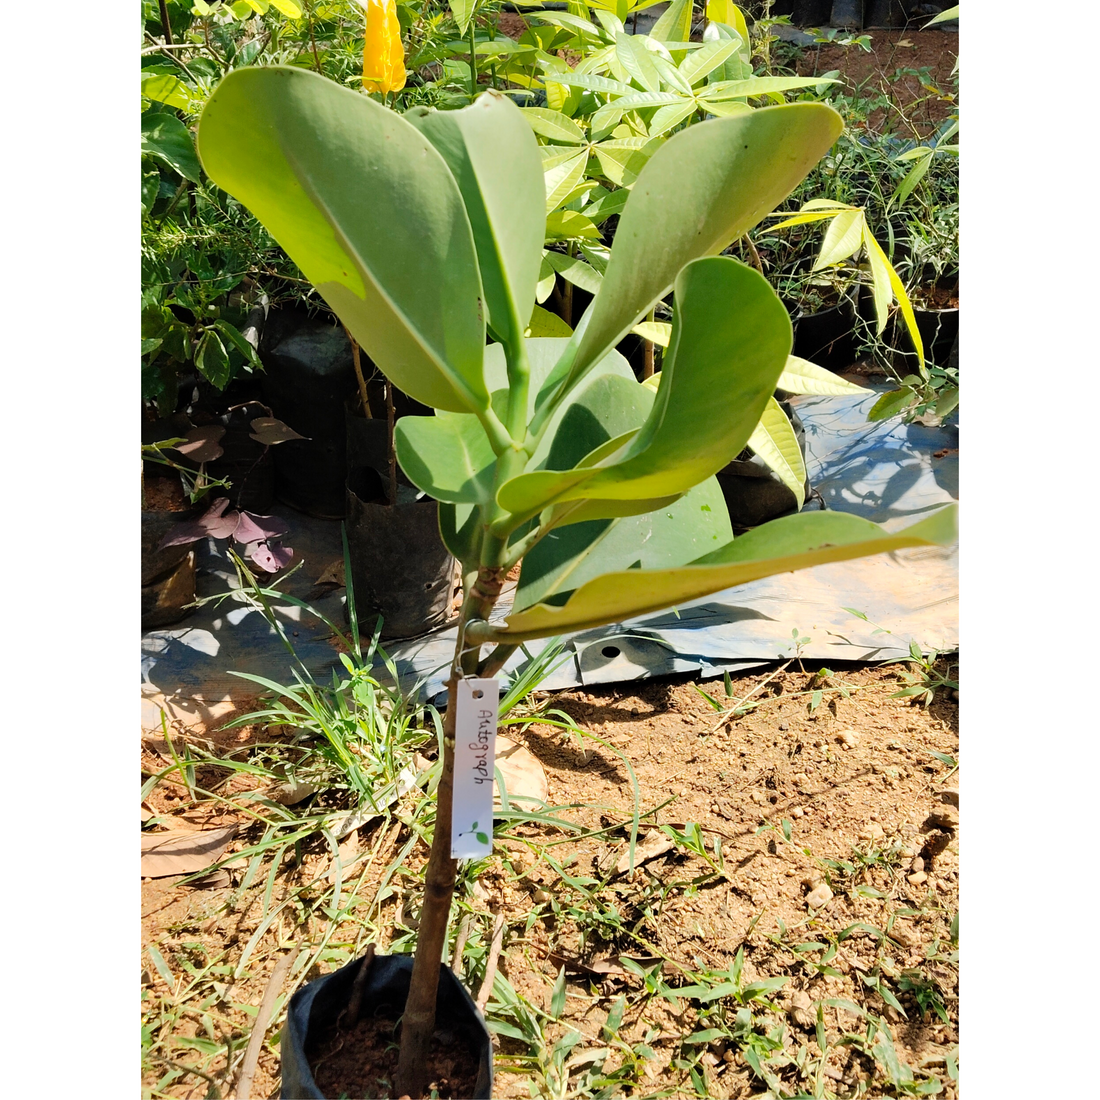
(424,234)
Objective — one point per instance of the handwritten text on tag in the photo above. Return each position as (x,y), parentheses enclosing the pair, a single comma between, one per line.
(475,753)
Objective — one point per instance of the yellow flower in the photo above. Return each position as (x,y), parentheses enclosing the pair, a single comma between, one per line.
(383,54)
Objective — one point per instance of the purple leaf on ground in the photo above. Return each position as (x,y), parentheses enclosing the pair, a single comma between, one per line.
(271,558)
(253,528)
(268,430)
(211,524)
(202,444)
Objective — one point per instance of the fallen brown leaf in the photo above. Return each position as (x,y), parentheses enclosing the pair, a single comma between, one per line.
(182,853)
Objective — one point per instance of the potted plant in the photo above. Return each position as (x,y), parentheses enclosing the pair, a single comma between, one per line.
(533,438)
(400,568)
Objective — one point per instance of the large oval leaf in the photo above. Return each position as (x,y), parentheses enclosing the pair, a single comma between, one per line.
(701,190)
(784,545)
(369,211)
(773,440)
(730,339)
(494,157)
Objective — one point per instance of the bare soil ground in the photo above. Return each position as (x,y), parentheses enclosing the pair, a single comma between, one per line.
(835,829)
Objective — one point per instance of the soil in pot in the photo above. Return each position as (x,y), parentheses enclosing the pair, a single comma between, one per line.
(325,1054)
(400,568)
(936,311)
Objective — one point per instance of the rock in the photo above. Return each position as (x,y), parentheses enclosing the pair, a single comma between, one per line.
(784,726)
(917,879)
(797,812)
(541,896)
(918,865)
(848,737)
(801,1010)
(950,795)
(819,895)
(944,816)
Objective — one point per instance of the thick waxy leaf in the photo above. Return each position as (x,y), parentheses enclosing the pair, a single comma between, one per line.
(802,376)
(369,211)
(731,337)
(794,542)
(447,456)
(570,556)
(166,139)
(494,157)
(774,441)
(701,190)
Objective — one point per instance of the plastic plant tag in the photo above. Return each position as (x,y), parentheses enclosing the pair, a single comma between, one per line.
(475,768)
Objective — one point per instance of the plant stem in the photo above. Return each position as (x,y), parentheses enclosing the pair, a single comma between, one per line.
(418,1021)
(473,62)
(165,26)
(647,362)
(359,374)
(753,254)
(390,454)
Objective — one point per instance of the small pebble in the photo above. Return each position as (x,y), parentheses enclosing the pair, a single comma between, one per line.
(541,896)
(797,812)
(917,879)
(906,851)
(784,725)
(848,737)
(819,895)
(918,865)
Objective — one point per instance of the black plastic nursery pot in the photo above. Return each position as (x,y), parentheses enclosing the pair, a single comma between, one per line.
(885,14)
(400,568)
(753,493)
(315,1009)
(247,464)
(308,374)
(827,337)
(167,576)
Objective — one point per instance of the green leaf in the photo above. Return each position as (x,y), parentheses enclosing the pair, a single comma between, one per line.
(843,239)
(564,225)
(165,88)
(913,177)
(657,331)
(233,335)
(802,376)
(300,152)
(463,12)
(666,118)
(543,323)
(701,63)
(165,138)
(635,59)
(701,190)
(575,271)
(288,7)
(675,22)
(150,188)
(622,159)
(761,85)
(557,997)
(774,441)
(783,545)
(561,175)
(945,16)
(879,262)
(553,124)
(494,158)
(212,360)
(447,456)
(730,334)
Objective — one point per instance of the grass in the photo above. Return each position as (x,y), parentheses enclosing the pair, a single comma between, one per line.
(636,1002)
